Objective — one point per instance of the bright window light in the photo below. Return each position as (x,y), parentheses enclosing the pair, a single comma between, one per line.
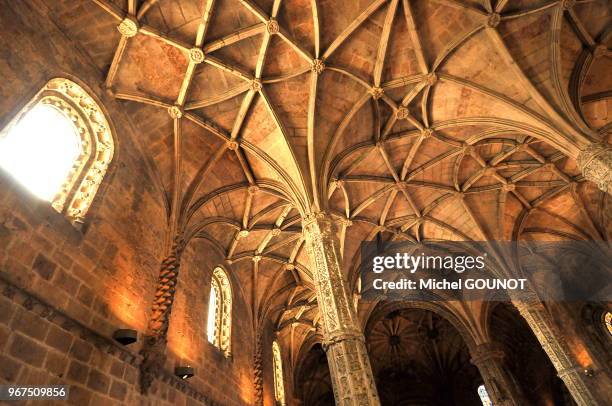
(40,150)
(211,327)
(219,324)
(484,396)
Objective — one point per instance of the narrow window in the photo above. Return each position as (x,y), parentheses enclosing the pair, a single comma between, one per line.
(484,396)
(607,319)
(213,312)
(59,147)
(220,312)
(277,364)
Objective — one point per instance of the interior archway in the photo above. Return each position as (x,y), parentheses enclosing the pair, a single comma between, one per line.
(526,359)
(420,358)
(313,382)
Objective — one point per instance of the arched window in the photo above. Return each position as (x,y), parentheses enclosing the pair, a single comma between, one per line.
(59,147)
(607,319)
(219,324)
(484,396)
(277,364)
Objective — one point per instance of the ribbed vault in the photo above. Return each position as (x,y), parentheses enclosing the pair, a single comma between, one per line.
(418,346)
(416,120)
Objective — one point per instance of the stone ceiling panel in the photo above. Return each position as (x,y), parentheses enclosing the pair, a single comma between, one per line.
(470,105)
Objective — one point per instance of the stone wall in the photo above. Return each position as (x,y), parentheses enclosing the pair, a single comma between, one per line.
(228,380)
(64,291)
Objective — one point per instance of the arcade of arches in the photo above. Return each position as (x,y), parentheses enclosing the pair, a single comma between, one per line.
(245,149)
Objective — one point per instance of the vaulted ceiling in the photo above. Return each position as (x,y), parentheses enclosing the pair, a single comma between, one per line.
(414,119)
(420,347)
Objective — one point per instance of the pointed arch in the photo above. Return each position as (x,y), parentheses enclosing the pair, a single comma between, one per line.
(63,131)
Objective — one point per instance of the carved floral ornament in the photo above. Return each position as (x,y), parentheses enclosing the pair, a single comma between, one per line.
(272,26)
(317,66)
(128,27)
(223,312)
(196,55)
(96,144)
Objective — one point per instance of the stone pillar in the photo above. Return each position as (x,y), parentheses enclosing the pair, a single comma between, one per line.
(154,347)
(501,385)
(595,163)
(572,375)
(344,342)
(258,368)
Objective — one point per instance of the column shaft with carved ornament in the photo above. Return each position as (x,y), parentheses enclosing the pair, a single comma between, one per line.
(595,163)
(348,360)
(154,347)
(501,386)
(258,368)
(550,338)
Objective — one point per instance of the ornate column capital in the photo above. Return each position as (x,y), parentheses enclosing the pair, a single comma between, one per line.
(487,352)
(595,163)
(335,337)
(318,217)
(323,222)
(501,385)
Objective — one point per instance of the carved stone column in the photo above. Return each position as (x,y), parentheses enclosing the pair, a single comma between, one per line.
(348,360)
(501,385)
(595,163)
(258,369)
(154,347)
(572,375)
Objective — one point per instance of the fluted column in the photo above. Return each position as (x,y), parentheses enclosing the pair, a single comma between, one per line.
(572,375)
(348,360)
(500,384)
(155,343)
(595,163)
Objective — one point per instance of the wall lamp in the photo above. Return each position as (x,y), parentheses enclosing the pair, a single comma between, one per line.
(125,336)
(184,372)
